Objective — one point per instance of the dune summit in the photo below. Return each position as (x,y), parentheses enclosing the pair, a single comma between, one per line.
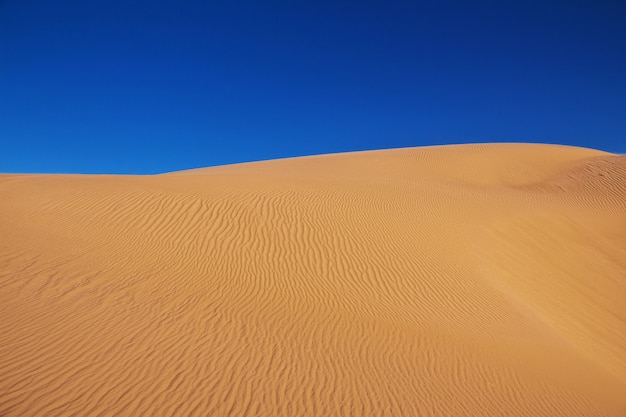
(478,280)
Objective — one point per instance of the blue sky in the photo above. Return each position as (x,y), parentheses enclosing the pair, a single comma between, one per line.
(152,86)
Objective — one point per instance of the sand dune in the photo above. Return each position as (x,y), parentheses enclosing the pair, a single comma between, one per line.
(482,280)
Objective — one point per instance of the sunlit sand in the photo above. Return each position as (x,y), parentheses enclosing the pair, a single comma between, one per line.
(478,280)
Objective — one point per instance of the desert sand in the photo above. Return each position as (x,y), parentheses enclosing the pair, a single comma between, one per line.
(470,280)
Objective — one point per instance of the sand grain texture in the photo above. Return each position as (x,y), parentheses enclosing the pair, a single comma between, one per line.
(481,280)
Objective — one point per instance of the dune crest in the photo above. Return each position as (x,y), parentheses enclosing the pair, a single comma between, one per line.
(456,280)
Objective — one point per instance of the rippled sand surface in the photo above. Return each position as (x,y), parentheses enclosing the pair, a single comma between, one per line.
(478,280)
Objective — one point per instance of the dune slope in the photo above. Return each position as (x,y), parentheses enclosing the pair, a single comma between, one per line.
(457,280)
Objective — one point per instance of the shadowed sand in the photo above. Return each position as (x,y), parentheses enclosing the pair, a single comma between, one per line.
(482,280)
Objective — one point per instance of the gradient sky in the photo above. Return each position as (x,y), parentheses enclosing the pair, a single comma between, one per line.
(123,86)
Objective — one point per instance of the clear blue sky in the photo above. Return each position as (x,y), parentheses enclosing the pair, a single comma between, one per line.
(134,86)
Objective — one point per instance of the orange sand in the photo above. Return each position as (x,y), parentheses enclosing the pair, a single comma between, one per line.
(483,280)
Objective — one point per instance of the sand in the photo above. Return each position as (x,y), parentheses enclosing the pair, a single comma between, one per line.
(478,280)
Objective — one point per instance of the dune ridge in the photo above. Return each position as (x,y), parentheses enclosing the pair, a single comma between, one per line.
(449,280)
